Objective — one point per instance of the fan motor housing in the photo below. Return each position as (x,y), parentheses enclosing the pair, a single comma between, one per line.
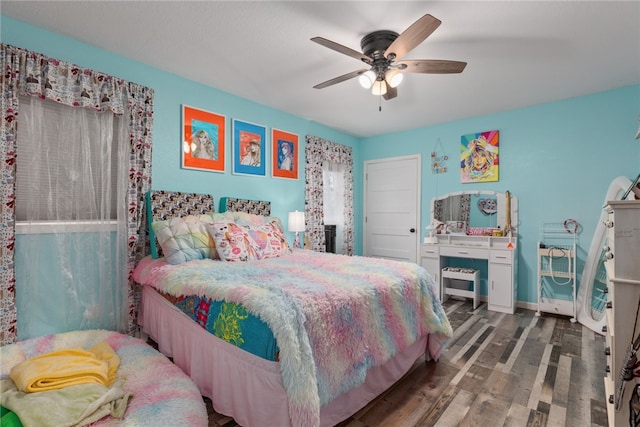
(376,43)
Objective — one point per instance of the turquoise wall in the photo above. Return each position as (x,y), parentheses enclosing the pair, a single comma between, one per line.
(557,158)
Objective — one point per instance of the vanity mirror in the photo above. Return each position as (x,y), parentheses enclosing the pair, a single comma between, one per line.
(482,212)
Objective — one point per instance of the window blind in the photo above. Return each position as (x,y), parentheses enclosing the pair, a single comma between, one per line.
(64,169)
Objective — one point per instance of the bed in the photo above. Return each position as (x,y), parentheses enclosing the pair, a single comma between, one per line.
(336,331)
(160,393)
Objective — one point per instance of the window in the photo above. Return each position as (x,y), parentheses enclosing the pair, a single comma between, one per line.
(70,246)
(333,198)
(67,163)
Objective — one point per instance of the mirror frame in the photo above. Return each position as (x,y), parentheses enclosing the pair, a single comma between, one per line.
(501,214)
(585,291)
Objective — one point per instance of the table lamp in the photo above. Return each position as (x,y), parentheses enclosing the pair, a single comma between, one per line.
(296,224)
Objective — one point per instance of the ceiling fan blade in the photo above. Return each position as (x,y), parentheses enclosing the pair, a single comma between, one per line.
(339,79)
(413,36)
(432,66)
(342,49)
(392,92)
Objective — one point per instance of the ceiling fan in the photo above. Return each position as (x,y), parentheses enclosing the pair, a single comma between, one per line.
(383,51)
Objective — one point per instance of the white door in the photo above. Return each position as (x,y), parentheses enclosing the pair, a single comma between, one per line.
(391,208)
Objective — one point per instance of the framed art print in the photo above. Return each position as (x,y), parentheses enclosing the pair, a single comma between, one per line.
(249,147)
(479,158)
(203,137)
(284,154)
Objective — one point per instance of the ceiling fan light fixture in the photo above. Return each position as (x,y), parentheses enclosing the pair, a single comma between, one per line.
(379,88)
(380,51)
(393,77)
(367,79)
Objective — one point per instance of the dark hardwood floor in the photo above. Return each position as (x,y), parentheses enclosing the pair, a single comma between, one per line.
(498,370)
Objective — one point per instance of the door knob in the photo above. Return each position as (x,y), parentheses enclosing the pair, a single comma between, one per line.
(413,230)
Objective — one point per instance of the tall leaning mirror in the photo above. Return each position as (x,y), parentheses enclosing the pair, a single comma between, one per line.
(592,296)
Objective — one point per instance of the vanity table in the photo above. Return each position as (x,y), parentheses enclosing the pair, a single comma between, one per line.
(499,252)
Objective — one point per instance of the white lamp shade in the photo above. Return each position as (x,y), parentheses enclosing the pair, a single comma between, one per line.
(379,88)
(393,77)
(367,79)
(296,221)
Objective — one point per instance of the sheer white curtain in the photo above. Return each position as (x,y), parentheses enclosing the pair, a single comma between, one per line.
(333,184)
(71,219)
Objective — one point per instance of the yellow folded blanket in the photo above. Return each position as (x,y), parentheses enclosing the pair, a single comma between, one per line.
(63,368)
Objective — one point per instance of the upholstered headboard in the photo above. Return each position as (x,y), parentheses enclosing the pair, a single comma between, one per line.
(257,207)
(163,205)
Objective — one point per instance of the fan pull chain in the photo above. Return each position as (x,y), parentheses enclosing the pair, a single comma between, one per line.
(380,106)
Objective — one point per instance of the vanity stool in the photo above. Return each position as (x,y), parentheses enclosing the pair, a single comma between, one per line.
(468,274)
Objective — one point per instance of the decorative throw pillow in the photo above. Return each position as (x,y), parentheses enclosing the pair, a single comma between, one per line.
(184,239)
(247,219)
(267,240)
(231,241)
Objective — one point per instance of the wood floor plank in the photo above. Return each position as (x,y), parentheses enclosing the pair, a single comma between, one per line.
(536,391)
(500,385)
(522,339)
(598,413)
(537,419)
(561,388)
(464,336)
(517,416)
(472,357)
(487,410)
(544,331)
(454,412)
(434,413)
(557,416)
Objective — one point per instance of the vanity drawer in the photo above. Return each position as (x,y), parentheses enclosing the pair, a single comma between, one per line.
(452,251)
(502,257)
(429,251)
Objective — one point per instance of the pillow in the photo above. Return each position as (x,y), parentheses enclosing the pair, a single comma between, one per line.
(231,241)
(184,239)
(235,242)
(244,218)
(267,240)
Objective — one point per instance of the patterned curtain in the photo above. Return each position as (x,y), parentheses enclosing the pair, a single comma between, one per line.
(140,109)
(26,73)
(317,151)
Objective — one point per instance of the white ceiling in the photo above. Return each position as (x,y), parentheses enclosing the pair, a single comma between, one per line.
(519,53)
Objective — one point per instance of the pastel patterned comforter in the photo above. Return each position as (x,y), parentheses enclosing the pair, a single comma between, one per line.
(333,316)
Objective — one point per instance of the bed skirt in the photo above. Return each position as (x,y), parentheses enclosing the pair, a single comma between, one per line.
(244,386)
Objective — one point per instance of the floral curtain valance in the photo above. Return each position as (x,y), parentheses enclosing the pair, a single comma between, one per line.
(63,82)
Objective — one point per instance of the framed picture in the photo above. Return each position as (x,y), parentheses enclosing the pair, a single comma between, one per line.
(284,157)
(479,158)
(203,137)
(249,147)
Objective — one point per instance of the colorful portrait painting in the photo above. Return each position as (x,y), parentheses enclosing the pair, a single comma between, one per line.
(203,136)
(479,158)
(285,154)
(249,148)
